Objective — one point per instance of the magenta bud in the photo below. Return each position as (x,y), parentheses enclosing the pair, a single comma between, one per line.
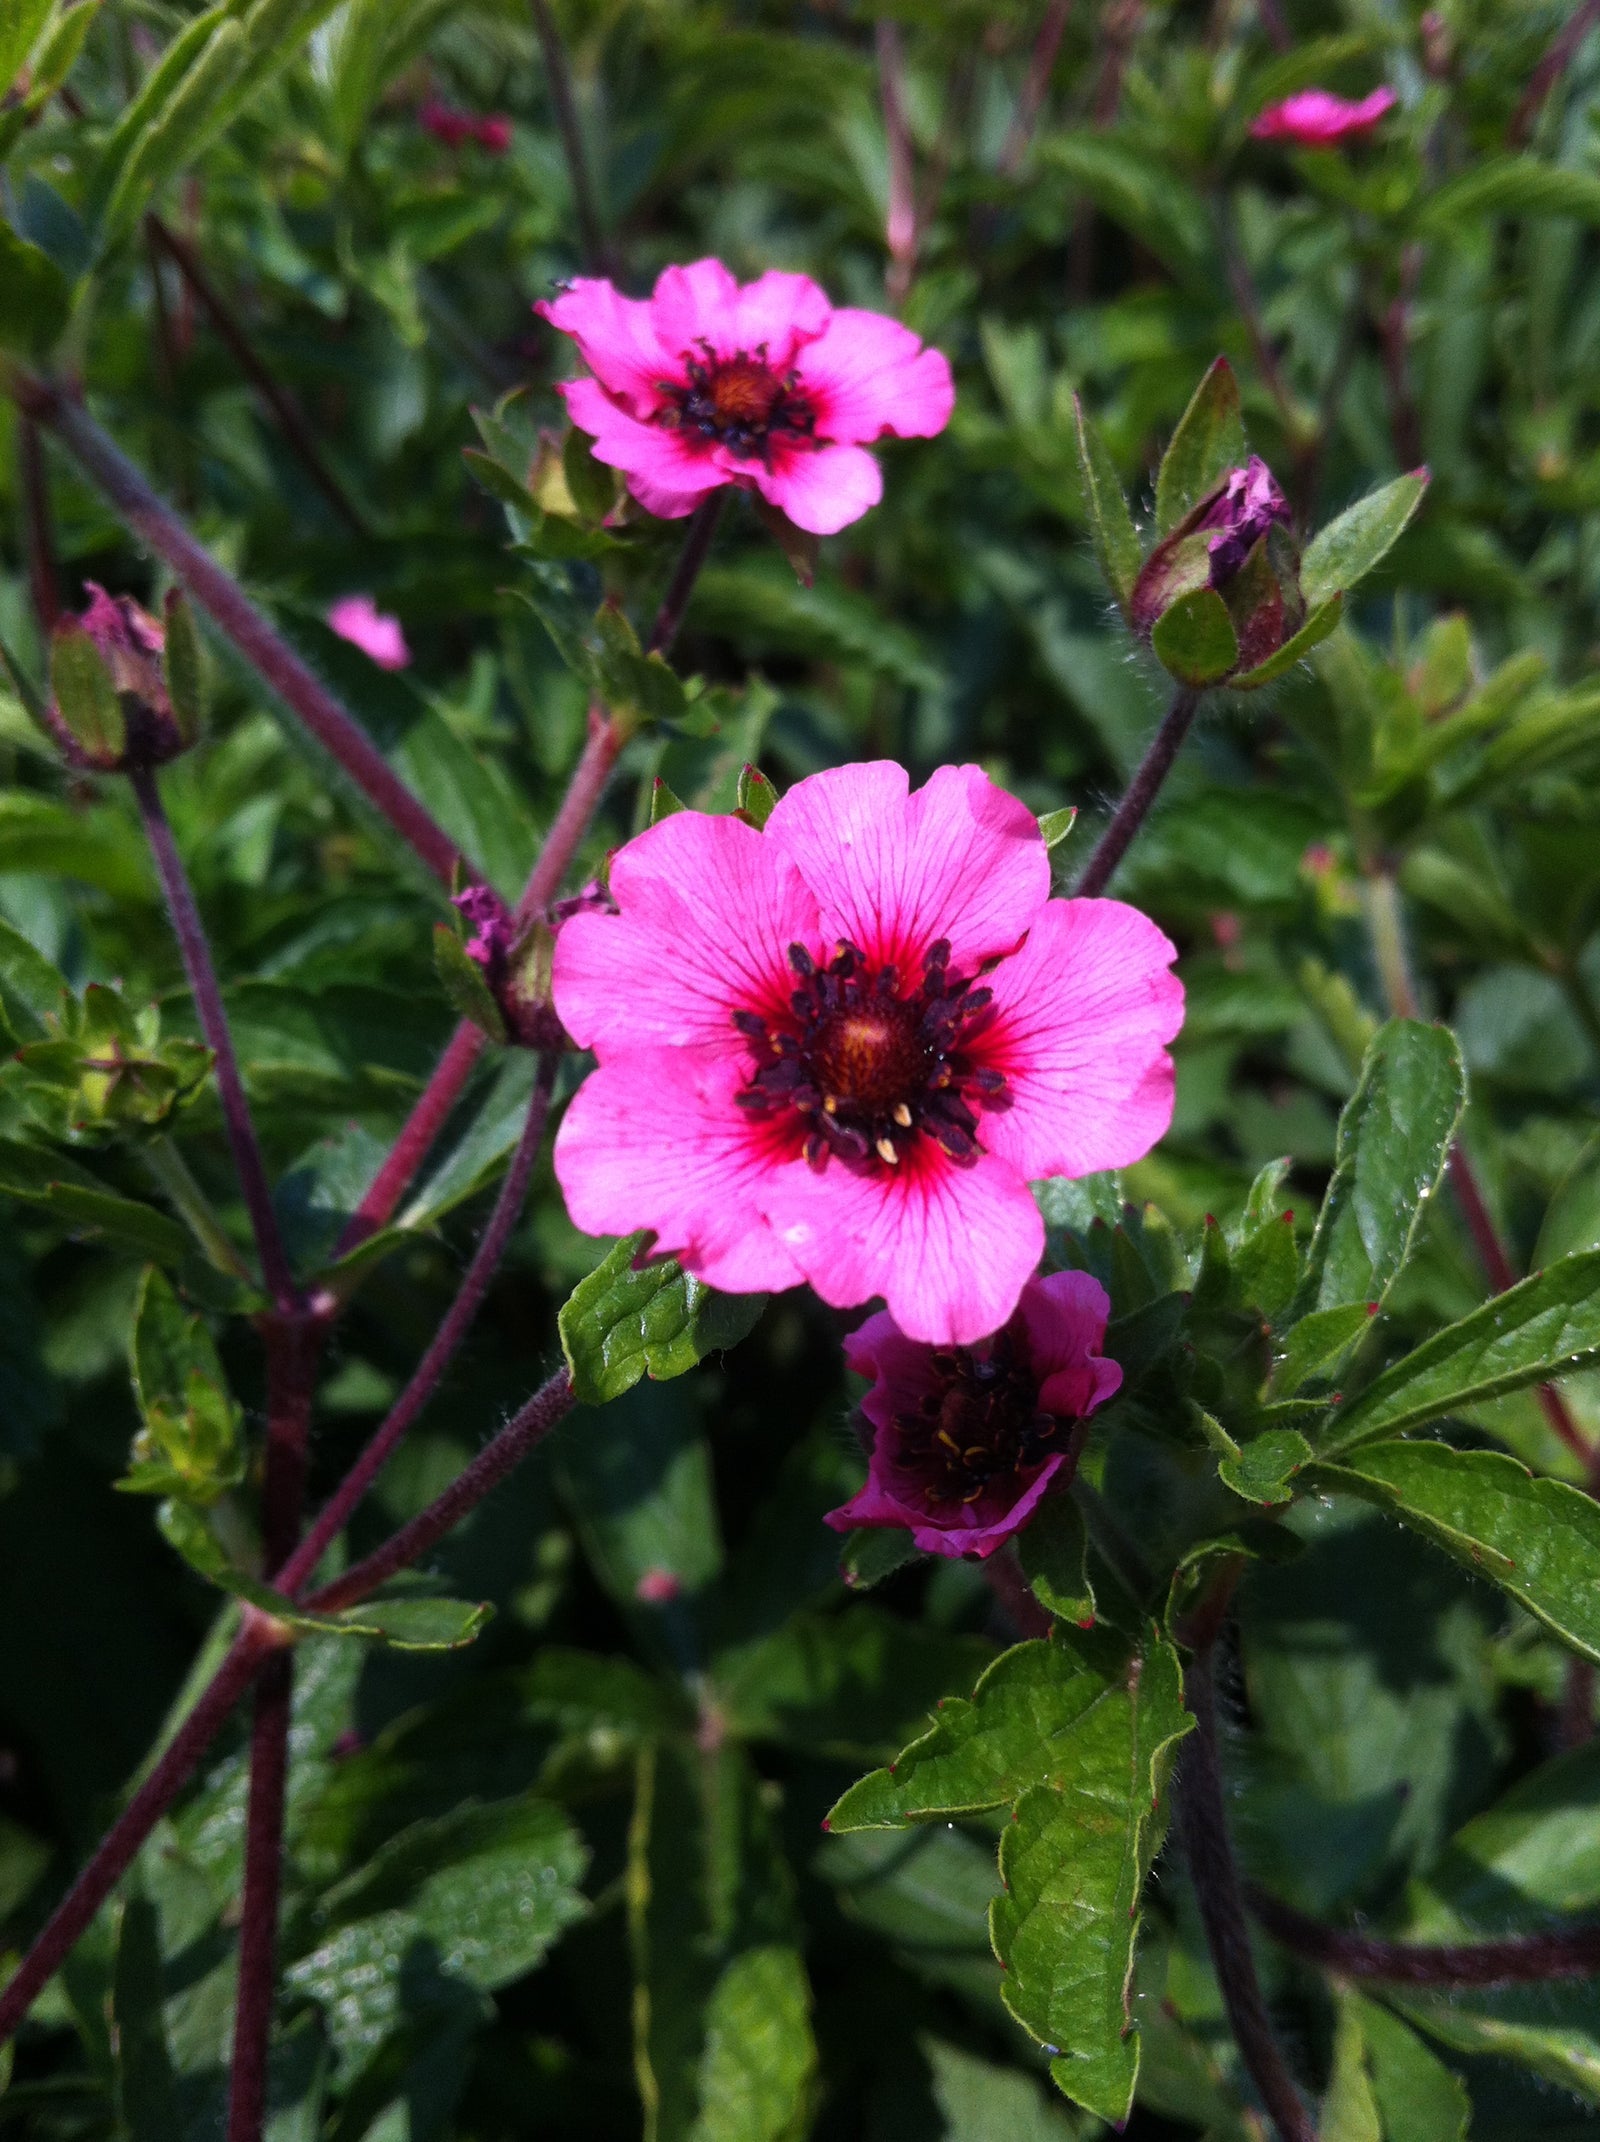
(1239,515)
(112,708)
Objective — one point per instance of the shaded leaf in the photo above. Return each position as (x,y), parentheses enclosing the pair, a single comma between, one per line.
(621,1323)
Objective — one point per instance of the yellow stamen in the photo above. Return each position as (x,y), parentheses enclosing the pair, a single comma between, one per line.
(886,1151)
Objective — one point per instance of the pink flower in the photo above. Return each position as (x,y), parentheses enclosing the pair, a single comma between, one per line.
(838,1050)
(1317,119)
(1242,512)
(968,1442)
(658,1587)
(357,618)
(494,134)
(445,123)
(765,384)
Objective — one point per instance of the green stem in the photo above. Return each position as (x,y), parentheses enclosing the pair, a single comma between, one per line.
(194,1208)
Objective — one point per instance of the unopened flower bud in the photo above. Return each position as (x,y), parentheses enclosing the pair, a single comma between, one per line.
(127,690)
(1221,593)
(1248,504)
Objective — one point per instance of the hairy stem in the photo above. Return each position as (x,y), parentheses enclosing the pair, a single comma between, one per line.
(43,583)
(196,953)
(1203,1820)
(558,76)
(548,1405)
(117,1849)
(417,1134)
(282,404)
(571,822)
(442,1348)
(294,1348)
(333,726)
(263,1883)
(1516,1961)
(1142,791)
(696,549)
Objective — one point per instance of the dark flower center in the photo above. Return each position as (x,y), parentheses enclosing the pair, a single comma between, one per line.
(980,1428)
(740,402)
(867,1068)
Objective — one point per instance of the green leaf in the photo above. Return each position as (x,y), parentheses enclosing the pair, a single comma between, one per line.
(1194,640)
(1349,547)
(1349,2110)
(1052,1548)
(145,2094)
(1419,2099)
(20,24)
(1266,1465)
(592,483)
(1311,634)
(1074,1860)
(619,1324)
(1208,442)
(1116,542)
(1394,1139)
(178,129)
(1016,1731)
(874,1553)
(1511,186)
(38,297)
(191,1446)
(31,989)
(1542,1327)
(1315,1345)
(755,798)
(1538,1539)
(758,2060)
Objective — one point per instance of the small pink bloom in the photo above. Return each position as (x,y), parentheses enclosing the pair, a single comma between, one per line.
(494,134)
(839,1050)
(967,1442)
(657,1587)
(1317,119)
(1243,511)
(766,384)
(356,618)
(445,123)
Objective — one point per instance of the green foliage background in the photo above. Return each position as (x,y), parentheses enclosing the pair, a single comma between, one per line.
(637,1788)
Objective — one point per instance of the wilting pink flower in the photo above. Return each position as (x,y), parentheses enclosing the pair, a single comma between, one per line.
(1245,508)
(1317,119)
(357,618)
(968,1440)
(762,384)
(838,1050)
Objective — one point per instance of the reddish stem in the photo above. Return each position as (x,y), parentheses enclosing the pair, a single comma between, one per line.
(1549,71)
(441,1351)
(1030,100)
(294,1348)
(263,1882)
(290,417)
(548,1405)
(117,1849)
(1141,793)
(900,232)
(696,549)
(39,527)
(1517,1961)
(337,730)
(416,1138)
(196,953)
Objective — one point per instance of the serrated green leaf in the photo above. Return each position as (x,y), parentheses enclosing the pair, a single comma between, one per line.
(1208,442)
(1311,634)
(1394,1139)
(1116,542)
(874,1553)
(1074,1860)
(1542,1327)
(1266,1465)
(1015,1731)
(1194,639)
(1538,1539)
(1348,548)
(620,1324)
(1315,1345)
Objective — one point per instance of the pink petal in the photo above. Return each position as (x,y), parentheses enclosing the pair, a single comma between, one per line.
(895,872)
(868,375)
(822,489)
(973,1536)
(655,1140)
(1066,1316)
(708,911)
(616,338)
(781,313)
(872,1504)
(901,1368)
(694,305)
(948,1248)
(1082,1013)
(1316,118)
(660,459)
(357,619)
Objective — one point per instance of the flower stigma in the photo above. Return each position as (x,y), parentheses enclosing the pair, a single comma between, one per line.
(739,402)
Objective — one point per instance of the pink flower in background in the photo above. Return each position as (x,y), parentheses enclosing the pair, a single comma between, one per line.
(494,134)
(839,1050)
(765,384)
(967,1442)
(1317,119)
(445,123)
(357,618)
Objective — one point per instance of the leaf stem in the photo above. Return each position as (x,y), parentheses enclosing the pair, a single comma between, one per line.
(1516,1961)
(696,549)
(190,932)
(558,76)
(442,1348)
(333,726)
(290,417)
(1202,1817)
(549,1404)
(1142,791)
(117,1849)
(263,1883)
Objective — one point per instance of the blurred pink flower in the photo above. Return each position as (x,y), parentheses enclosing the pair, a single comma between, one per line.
(357,618)
(764,384)
(969,1440)
(494,134)
(1317,119)
(445,123)
(657,1587)
(840,1049)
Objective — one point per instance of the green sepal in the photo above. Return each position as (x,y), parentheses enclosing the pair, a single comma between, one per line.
(464,983)
(1208,443)
(755,798)
(1054,826)
(1349,547)
(1194,639)
(184,667)
(1111,529)
(1053,1551)
(85,694)
(664,802)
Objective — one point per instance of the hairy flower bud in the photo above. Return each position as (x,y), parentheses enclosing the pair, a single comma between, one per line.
(126,689)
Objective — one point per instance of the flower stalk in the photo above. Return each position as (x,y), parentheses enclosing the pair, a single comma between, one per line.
(1520,1960)
(1142,791)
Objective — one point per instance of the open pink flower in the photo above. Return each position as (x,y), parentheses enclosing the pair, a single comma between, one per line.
(357,618)
(762,384)
(1317,119)
(968,1441)
(838,1050)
